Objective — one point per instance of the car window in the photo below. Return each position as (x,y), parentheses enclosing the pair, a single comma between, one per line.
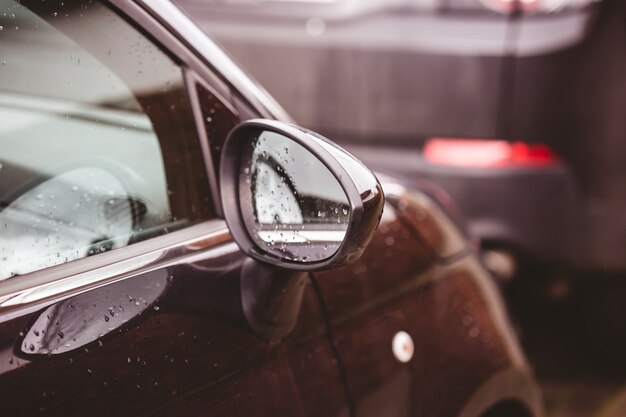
(98,147)
(219,119)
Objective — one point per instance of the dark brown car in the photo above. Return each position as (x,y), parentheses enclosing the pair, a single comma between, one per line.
(159,257)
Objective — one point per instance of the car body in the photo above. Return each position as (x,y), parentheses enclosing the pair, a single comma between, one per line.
(125,291)
(388,79)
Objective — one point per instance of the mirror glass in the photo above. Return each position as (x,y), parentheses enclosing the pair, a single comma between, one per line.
(292,203)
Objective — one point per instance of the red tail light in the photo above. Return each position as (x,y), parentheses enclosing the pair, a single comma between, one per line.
(530,6)
(479,153)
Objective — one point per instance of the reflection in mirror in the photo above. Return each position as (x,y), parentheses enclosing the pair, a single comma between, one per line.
(297,208)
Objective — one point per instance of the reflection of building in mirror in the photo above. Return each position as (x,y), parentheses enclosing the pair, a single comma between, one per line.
(300,209)
(293,186)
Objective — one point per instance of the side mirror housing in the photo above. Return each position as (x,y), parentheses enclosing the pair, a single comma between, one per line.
(294,199)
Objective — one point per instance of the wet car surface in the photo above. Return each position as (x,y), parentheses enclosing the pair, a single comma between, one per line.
(138,275)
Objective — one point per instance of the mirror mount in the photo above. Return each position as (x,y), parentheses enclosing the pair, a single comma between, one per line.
(280,206)
(271,298)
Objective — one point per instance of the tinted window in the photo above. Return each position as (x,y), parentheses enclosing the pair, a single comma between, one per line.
(98,148)
(219,119)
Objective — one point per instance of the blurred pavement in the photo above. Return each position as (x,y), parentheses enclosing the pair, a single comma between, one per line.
(574,338)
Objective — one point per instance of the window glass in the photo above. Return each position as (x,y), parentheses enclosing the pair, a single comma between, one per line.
(98,148)
(219,119)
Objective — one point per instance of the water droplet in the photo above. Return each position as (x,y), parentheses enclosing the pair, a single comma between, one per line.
(474,332)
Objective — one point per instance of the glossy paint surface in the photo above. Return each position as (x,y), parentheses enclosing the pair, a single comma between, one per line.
(186,351)
(451,310)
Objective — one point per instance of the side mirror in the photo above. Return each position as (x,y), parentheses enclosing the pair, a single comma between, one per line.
(294,199)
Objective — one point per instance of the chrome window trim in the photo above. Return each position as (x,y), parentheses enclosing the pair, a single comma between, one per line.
(40,288)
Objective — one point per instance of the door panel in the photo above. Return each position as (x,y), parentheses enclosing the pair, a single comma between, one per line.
(184,348)
(460,336)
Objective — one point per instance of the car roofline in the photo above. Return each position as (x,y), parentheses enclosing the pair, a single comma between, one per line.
(184,29)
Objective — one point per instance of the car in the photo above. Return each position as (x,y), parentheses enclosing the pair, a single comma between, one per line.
(504,104)
(171,243)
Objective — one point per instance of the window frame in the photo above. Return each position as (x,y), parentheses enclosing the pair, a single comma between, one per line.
(192,83)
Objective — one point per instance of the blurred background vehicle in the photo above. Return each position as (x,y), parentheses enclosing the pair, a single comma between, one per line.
(519,89)
(516,108)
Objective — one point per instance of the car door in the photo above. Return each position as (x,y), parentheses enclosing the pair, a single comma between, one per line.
(121,289)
